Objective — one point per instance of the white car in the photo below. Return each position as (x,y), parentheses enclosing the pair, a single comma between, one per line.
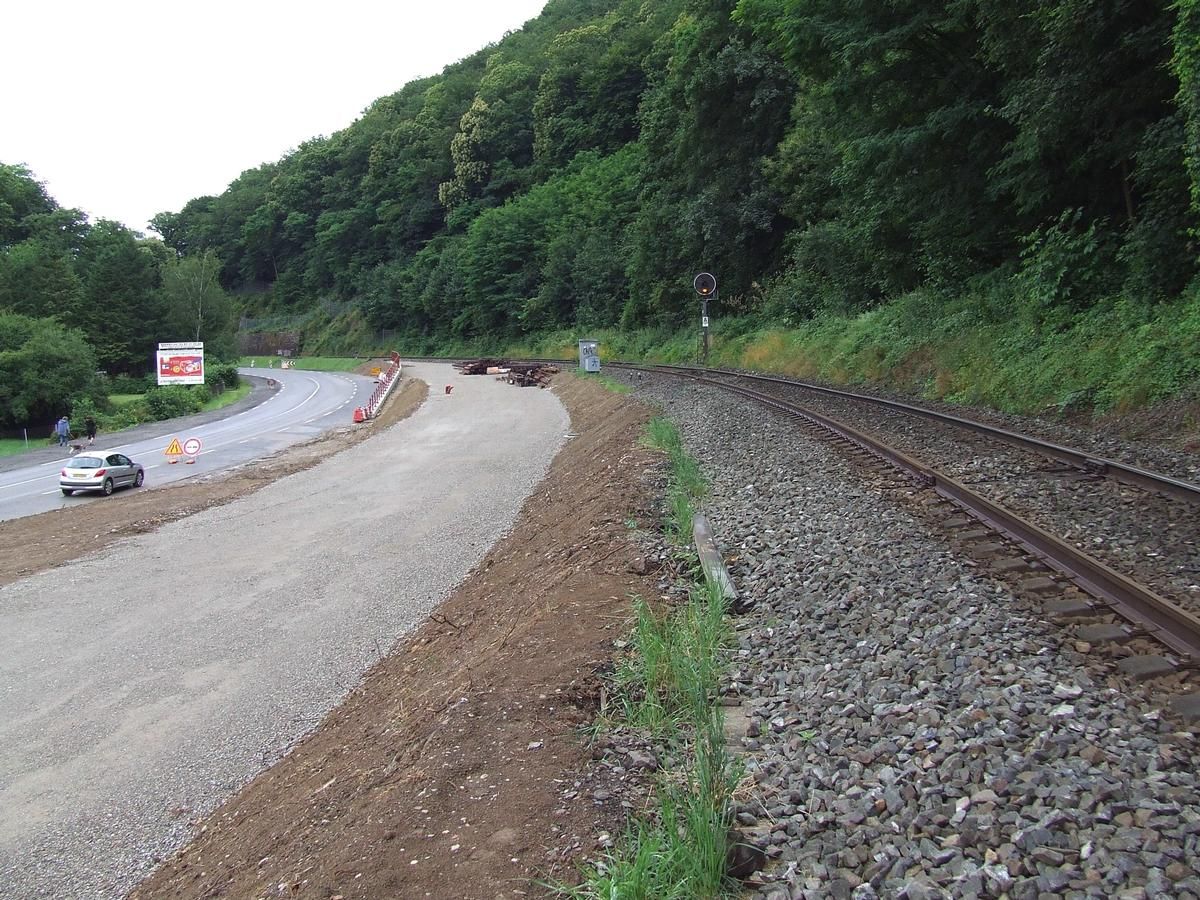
(100,472)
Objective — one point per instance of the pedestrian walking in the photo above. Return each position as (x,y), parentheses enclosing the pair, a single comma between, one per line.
(89,428)
(63,430)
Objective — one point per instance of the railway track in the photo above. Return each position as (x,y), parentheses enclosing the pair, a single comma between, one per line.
(1091,464)
(1044,560)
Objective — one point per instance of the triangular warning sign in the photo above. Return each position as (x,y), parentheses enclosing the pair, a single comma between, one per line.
(173,449)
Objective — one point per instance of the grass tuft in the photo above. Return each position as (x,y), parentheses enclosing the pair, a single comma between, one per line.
(666,685)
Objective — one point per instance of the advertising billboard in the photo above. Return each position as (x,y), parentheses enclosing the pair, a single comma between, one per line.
(181,363)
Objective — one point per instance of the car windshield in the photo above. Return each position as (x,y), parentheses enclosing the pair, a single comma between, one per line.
(86,462)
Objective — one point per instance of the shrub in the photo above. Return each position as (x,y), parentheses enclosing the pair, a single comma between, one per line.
(173,400)
(130,384)
(222,377)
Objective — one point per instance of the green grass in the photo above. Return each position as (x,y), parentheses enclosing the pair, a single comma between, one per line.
(124,399)
(686,484)
(672,674)
(227,397)
(13,446)
(989,346)
(311,363)
(616,387)
(666,685)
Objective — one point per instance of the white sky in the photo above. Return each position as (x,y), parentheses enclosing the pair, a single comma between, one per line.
(127,108)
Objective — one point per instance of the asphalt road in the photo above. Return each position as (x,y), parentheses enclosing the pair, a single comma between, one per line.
(301,405)
(141,686)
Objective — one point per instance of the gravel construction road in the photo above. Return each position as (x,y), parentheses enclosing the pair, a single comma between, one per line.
(144,684)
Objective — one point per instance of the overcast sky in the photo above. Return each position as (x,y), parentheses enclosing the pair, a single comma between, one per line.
(127,108)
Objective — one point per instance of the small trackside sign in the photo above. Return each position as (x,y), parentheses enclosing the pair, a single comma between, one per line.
(173,448)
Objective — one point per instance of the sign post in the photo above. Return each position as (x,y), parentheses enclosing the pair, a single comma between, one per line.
(191,449)
(706,286)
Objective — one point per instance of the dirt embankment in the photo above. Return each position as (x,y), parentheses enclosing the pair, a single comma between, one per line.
(453,769)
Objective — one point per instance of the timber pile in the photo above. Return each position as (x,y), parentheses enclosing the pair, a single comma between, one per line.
(523,374)
(480,366)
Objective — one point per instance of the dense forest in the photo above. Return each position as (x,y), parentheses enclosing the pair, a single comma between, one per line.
(1018,165)
(82,305)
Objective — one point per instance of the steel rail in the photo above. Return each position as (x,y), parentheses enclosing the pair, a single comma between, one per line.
(1097,465)
(1153,614)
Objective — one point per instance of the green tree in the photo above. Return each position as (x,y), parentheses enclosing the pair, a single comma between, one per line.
(121,301)
(196,307)
(42,366)
(39,281)
(717,108)
(1186,65)
(21,197)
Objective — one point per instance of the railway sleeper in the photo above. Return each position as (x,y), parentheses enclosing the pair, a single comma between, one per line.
(1143,668)
(1071,608)
(1042,584)
(1105,632)
(1187,706)
(990,549)
(974,534)
(1013,565)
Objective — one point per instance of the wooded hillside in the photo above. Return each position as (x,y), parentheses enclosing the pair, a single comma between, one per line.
(812,153)
(820,157)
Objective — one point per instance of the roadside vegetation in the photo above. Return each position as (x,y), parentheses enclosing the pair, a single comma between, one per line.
(136,401)
(1115,356)
(666,686)
(311,363)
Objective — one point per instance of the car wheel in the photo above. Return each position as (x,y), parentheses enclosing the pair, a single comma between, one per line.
(139,479)
(108,486)
(68,491)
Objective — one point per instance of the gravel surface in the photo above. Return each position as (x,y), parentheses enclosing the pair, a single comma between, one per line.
(142,686)
(1099,440)
(1152,538)
(916,730)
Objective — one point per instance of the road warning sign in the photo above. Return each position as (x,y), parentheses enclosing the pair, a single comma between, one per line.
(191,446)
(173,451)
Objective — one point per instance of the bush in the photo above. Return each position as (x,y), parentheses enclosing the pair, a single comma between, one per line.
(130,384)
(173,400)
(221,377)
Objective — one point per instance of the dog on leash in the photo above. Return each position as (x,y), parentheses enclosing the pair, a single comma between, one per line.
(76,449)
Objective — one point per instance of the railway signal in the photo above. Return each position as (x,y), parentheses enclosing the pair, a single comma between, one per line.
(706,286)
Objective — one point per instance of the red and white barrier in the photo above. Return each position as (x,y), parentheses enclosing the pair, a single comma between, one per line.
(387,380)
